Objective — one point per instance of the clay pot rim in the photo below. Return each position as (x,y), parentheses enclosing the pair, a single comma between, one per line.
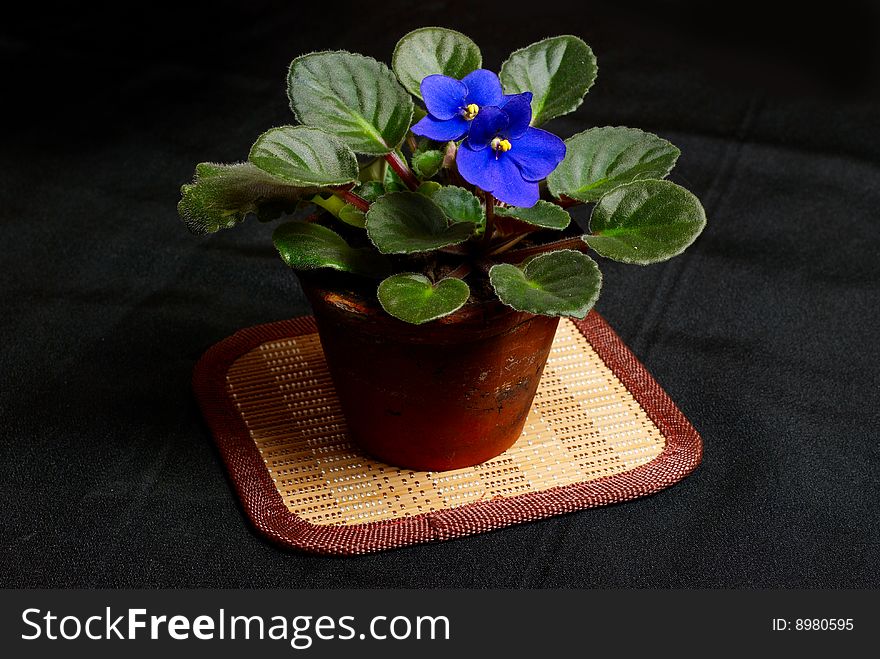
(349,299)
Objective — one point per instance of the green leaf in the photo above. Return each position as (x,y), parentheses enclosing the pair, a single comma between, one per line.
(429,188)
(459,205)
(353,97)
(426,163)
(558,71)
(221,196)
(340,210)
(309,246)
(412,298)
(330,203)
(352,216)
(408,222)
(208,169)
(645,222)
(392,182)
(372,169)
(544,214)
(561,283)
(371,190)
(600,159)
(304,156)
(431,50)
(418,114)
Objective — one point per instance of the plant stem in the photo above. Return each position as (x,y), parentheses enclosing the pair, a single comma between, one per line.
(457,250)
(517,255)
(400,168)
(449,155)
(411,142)
(351,198)
(449,165)
(490,218)
(461,271)
(507,245)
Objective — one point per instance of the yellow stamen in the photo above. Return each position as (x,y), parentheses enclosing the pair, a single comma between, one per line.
(501,145)
(471,111)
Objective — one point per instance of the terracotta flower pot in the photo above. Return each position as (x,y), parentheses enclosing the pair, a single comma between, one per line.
(445,395)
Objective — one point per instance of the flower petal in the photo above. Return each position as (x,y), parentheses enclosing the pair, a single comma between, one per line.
(498,175)
(444,96)
(508,97)
(439,130)
(537,153)
(511,187)
(486,125)
(476,165)
(483,88)
(519,109)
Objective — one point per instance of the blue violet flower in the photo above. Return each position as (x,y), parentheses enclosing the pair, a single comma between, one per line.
(505,156)
(453,104)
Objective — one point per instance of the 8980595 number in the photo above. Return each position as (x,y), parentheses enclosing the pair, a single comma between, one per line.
(823,624)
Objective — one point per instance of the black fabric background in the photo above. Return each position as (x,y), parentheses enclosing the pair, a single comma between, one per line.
(764,332)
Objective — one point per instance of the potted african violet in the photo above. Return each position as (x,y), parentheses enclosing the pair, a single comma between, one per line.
(427,220)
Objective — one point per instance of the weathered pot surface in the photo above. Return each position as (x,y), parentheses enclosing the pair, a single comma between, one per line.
(445,395)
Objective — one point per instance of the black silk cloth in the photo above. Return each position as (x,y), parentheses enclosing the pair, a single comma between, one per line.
(765,332)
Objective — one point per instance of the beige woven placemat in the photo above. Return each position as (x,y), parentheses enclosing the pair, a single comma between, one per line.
(583,425)
(600,431)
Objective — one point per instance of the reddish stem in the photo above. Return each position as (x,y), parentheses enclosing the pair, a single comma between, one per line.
(355,200)
(402,170)
(449,164)
(458,250)
(504,246)
(517,255)
(461,271)
(490,218)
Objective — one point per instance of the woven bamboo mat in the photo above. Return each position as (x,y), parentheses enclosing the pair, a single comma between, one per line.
(598,420)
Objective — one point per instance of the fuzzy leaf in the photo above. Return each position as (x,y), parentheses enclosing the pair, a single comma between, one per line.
(431,50)
(304,156)
(544,214)
(353,97)
(459,205)
(429,188)
(562,283)
(558,71)
(340,210)
(392,182)
(353,216)
(419,113)
(371,190)
(645,222)
(426,163)
(408,222)
(412,297)
(309,246)
(600,159)
(221,196)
